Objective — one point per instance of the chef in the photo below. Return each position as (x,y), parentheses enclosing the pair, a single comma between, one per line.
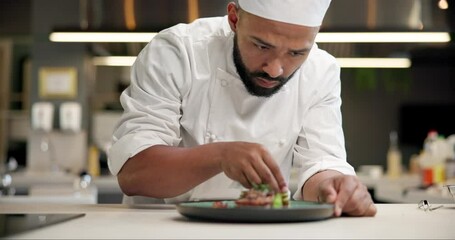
(224,103)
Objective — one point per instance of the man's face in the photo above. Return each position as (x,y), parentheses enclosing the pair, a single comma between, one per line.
(269,85)
(268,53)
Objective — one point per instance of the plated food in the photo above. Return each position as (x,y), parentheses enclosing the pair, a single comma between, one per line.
(257,205)
(259,196)
(296,211)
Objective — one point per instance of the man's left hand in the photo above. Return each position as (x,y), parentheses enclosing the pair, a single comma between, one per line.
(348,194)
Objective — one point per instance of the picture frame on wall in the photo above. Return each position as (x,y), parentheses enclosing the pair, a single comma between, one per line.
(58,82)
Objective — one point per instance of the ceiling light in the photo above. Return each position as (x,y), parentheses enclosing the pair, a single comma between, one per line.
(382,37)
(374,62)
(114,61)
(443,4)
(344,62)
(101,36)
(322,37)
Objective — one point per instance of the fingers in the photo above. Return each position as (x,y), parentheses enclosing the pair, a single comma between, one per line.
(243,179)
(360,203)
(250,163)
(263,170)
(250,177)
(371,211)
(327,193)
(244,174)
(348,195)
(330,192)
(270,173)
(346,188)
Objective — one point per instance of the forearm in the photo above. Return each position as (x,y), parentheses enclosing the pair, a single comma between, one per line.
(310,188)
(164,171)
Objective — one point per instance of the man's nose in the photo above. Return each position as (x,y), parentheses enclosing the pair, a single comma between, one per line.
(273,68)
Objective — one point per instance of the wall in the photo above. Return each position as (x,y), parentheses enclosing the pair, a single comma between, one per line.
(46,14)
(371,106)
(371,99)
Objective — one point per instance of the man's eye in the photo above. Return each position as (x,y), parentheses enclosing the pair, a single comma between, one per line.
(296,54)
(261,47)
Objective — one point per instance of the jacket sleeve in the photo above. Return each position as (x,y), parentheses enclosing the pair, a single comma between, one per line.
(320,145)
(152,102)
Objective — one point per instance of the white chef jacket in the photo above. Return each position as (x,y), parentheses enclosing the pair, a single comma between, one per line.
(185,91)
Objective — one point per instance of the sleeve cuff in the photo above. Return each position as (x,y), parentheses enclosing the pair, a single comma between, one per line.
(127,147)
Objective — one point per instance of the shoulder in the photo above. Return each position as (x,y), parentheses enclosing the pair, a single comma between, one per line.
(321,59)
(202,29)
(186,38)
(320,72)
(180,39)
(320,64)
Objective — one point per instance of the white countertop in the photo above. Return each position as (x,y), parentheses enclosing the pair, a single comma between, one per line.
(116,221)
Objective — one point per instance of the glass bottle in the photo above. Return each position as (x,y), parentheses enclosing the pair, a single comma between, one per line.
(393,156)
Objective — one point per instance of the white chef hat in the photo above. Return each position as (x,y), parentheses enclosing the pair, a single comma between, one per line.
(309,13)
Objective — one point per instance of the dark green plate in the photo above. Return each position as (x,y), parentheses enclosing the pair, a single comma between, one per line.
(298,211)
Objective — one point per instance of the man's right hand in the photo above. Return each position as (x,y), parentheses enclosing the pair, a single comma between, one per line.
(164,171)
(251,163)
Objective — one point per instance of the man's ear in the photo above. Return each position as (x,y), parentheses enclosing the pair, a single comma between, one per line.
(232,13)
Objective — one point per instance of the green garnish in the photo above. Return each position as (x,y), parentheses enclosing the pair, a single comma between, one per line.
(261,187)
(277,200)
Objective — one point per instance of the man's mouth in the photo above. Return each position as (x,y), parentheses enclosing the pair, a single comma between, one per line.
(266,83)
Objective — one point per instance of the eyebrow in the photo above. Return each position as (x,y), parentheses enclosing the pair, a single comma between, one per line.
(303,50)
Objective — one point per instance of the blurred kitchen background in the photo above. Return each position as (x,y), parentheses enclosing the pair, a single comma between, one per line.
(59,98)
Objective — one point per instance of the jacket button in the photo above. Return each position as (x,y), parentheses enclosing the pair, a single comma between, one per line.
(224,83)
(282,142)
